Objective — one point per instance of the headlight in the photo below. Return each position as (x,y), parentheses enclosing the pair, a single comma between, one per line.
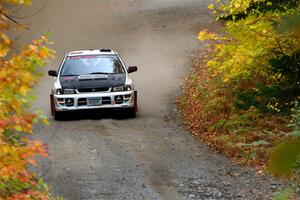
(65,91)
(127,87)
(118,89)
(121,88)
(69,91)
(58,91)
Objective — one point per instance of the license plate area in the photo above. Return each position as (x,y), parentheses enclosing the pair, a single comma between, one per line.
(95,101)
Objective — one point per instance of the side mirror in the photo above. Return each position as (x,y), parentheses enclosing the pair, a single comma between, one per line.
(132,69)
(52,73)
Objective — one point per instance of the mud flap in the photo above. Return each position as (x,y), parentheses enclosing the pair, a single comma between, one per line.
(135,101)
(52,105)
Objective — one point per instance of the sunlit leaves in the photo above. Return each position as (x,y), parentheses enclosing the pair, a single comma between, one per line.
(18,75)
(239,99)
(205,35)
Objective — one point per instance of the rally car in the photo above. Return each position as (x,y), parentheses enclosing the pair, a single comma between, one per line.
(93,79)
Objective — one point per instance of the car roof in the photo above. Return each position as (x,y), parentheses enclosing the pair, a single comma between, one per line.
(92,52)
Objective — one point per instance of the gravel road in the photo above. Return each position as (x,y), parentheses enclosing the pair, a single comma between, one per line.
(100,156)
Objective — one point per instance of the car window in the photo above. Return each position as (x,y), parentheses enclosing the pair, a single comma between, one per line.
(79,65)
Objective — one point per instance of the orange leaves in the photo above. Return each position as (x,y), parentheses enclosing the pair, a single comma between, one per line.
(29,195)
(14,160)
(18,75)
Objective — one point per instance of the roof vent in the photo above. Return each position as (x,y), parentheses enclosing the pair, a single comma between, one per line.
(76,52)
(105,50)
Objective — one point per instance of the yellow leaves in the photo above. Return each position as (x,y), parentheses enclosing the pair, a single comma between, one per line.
(205,35)
(5,43)
(18,2)
(18,128)
(41,116)
(23,90)
(45,120)
(211,6)
(265,32)
(5,39)
(18,75)
(269,3)
(235,6)
(212,63)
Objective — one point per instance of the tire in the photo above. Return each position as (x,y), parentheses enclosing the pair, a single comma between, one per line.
(58,116)
(131,112)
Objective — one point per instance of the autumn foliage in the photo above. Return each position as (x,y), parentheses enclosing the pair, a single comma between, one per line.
(18,75)
(242,96)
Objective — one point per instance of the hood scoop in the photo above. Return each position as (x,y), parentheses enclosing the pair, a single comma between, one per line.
(90,77)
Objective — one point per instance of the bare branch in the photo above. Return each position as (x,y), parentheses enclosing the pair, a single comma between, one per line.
(31,15)
(14,21)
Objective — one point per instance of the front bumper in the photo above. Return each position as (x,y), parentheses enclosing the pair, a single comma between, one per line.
(71,102)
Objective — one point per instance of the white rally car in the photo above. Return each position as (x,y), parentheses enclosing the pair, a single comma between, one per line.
(93,79)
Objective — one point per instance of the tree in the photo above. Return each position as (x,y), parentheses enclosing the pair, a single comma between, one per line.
(18,75)
(240,95)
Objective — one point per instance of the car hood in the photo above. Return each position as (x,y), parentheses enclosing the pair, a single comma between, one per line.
(92,81)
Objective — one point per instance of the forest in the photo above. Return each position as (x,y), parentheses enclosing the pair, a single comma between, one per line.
(242,97)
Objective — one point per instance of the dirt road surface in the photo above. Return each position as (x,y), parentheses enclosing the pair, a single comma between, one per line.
(96,157)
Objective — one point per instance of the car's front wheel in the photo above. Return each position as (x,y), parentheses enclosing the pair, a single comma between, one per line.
(54,113)
(58,116)
(131,112)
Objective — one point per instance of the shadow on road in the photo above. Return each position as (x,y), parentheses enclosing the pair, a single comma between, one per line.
(95,115)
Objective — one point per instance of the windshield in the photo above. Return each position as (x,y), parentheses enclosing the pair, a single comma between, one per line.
(80,65)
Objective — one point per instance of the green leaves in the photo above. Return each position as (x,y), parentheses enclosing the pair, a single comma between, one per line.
(285,157)
(284,194)
(249,80)
(296,122)
(240,9)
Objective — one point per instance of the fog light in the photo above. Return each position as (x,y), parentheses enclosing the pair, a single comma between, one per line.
(61,101)
(69,102)
(118,99)
(127,96)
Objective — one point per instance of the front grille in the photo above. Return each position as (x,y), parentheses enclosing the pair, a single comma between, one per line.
(106,100)
(102,89)
(82,102)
